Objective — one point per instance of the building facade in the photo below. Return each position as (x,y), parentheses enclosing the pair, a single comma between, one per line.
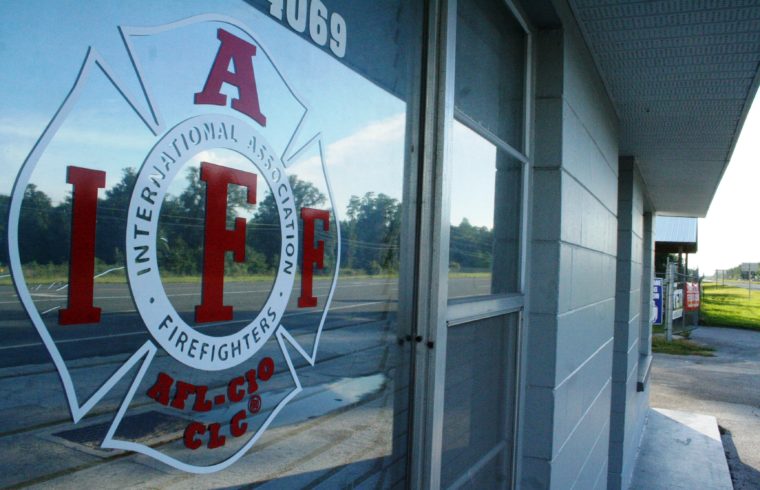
(327,244)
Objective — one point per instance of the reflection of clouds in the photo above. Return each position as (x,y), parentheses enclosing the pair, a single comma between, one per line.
(12,128)
(12,155)
(17,137)
(371,159)
(225,158)
(371,142)
(108,138)
(473,178)
(77,135)
(71,142)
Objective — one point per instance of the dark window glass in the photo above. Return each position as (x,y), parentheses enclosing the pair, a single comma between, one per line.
(478,416)
(490,68)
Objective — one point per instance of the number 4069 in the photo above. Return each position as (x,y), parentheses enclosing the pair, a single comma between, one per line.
(323,26)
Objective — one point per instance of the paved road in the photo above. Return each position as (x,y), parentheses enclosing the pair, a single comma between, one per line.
(726,386)
(741,284)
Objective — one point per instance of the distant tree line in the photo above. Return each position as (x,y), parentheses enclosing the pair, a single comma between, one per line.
(742,271)
(470,247)
(371,230)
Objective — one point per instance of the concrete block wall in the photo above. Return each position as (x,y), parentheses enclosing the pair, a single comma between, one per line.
(632,344)
(572,281)
(632,334)
(647,283)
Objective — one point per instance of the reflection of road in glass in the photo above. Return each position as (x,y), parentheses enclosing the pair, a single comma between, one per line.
(347,401)
(365,298)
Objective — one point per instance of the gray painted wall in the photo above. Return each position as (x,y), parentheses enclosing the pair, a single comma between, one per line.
(573,267)
(634,269)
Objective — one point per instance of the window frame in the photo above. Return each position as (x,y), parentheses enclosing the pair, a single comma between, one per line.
(435,313)
(462,309)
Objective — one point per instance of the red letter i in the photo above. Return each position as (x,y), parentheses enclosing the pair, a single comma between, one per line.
(84,205)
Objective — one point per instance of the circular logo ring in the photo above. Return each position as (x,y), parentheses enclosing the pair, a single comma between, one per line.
(162,164)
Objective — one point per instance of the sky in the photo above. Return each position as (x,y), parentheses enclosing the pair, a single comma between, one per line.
(362,126)
(730,233)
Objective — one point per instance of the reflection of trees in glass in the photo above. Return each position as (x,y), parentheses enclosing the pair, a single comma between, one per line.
(43,229)
(264,228)
(112,218)
(371,230)
(181,226)
(372,233)
(471,247)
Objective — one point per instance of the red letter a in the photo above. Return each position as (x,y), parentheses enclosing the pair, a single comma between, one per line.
(241,53)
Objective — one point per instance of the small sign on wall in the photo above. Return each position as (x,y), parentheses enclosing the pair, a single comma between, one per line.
(677,303)
(657,301)
(692,296)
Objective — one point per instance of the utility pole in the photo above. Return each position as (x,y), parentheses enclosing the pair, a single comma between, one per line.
(668,301)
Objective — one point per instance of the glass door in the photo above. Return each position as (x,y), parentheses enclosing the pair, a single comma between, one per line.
(206,277)
(485,165)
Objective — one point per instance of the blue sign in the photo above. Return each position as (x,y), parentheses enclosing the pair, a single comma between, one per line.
(657,300)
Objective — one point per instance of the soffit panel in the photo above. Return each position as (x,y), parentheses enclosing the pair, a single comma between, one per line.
(680,74)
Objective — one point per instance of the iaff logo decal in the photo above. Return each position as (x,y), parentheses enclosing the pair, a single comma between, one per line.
(223,387)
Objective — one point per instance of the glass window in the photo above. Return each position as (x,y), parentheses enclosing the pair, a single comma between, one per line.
(487,170)
(478,416)
(487,155)
(490,68)
(486,195)
(205,243)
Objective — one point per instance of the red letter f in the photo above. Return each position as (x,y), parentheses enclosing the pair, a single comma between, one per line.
(217,239)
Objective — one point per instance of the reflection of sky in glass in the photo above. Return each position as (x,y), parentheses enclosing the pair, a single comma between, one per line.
(473,178)
(362,126)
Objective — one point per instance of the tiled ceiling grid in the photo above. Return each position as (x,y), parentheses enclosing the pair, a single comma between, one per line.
(680,74)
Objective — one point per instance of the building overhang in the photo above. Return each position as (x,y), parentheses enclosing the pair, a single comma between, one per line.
(682,77)
(675,234)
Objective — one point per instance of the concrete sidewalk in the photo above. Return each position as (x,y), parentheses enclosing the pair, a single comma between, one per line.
(726,386)
(681,450)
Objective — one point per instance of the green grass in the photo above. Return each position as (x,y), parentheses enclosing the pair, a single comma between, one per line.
(725,306)
(681,333)
(680,347)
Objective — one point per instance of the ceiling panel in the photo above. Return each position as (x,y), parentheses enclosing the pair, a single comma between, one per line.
(681,74)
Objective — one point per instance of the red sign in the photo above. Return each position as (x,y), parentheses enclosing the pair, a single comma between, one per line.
(692,296)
